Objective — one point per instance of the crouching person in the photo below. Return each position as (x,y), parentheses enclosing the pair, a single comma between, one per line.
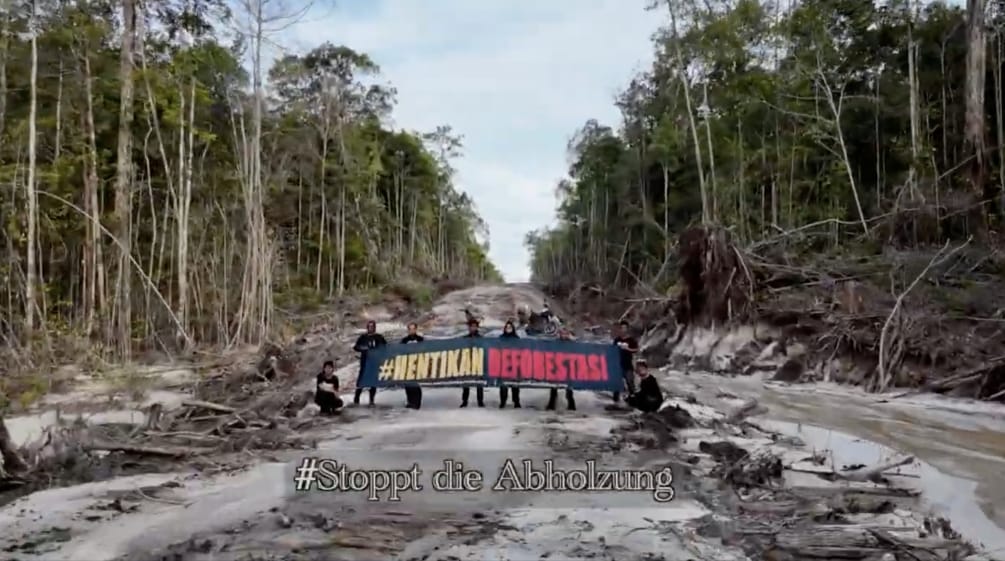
(326,395)
(649,398)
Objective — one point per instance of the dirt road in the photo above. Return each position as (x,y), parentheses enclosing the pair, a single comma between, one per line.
(255,514)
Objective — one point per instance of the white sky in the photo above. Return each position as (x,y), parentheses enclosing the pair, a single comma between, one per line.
(515,77)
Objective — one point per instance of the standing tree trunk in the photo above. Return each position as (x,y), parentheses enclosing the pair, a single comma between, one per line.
(123,178)
(32,197)
(974,127)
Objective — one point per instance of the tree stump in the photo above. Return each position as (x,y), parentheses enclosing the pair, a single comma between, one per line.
(12,462)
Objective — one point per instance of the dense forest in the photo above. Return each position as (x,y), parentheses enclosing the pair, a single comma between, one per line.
(166,187)
(871,123)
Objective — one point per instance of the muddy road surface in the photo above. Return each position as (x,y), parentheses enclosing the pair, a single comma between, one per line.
(255,512)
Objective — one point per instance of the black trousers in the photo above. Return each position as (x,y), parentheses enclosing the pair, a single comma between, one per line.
(644,404)
(504,392)
(413,397)
(359,390)
(327,401)
(479,393)
(629,384)
(570,399)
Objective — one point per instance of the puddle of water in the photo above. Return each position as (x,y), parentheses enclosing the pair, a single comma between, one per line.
(952,497)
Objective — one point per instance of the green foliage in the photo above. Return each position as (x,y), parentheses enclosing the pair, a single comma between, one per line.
(349,203)
(769,146)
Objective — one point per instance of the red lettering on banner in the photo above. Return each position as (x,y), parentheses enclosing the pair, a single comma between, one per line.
(601,370)
(561,373)
(593,368)
(526,364)
(507,363)
(582,370)
(495,363)
(549,367)
(539,366)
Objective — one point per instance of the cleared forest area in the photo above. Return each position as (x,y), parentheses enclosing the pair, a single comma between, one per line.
(852,154)
(167,189)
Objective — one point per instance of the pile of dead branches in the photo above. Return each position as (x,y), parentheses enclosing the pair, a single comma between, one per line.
(920,318)
(924,317)
(775,521)
(249,402)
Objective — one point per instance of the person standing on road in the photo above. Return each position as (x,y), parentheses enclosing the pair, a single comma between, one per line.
(366,343)
(627,346)
(509,332)
(479,390)
(413,392)
(570,399)
(326,394)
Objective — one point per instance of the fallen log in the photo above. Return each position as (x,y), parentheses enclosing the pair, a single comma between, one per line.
(854,538)
(848,492)
(142,450)
(873,474)
(209,405)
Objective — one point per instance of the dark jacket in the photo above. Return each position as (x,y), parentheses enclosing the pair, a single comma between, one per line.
(627,358)
(472,335)
(322,380)
(509,335)
(365,343)
(649,389)
(412,339)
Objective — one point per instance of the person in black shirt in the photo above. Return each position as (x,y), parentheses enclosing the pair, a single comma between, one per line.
(326,394)
(509,332)
(650,396)
(628,347)
(570,399)
(413,392)
(366,342)
(479,391)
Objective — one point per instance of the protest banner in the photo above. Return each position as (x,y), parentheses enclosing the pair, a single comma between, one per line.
(494,362)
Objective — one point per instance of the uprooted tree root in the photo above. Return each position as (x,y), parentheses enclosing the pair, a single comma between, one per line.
(717,285)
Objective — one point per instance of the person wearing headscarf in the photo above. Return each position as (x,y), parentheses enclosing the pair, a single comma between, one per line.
(509,332)
(366,343)
(326,394)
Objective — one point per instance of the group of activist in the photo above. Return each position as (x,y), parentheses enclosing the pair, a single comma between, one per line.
(647,397)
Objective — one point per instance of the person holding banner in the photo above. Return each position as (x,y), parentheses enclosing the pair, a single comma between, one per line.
(649,397)
(413,392)
(628,346)
(366,342)
(326,395)
(509,332)
(479,391)
(570,399)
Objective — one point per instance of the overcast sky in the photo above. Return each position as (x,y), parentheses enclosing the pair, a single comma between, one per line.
(515,77)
